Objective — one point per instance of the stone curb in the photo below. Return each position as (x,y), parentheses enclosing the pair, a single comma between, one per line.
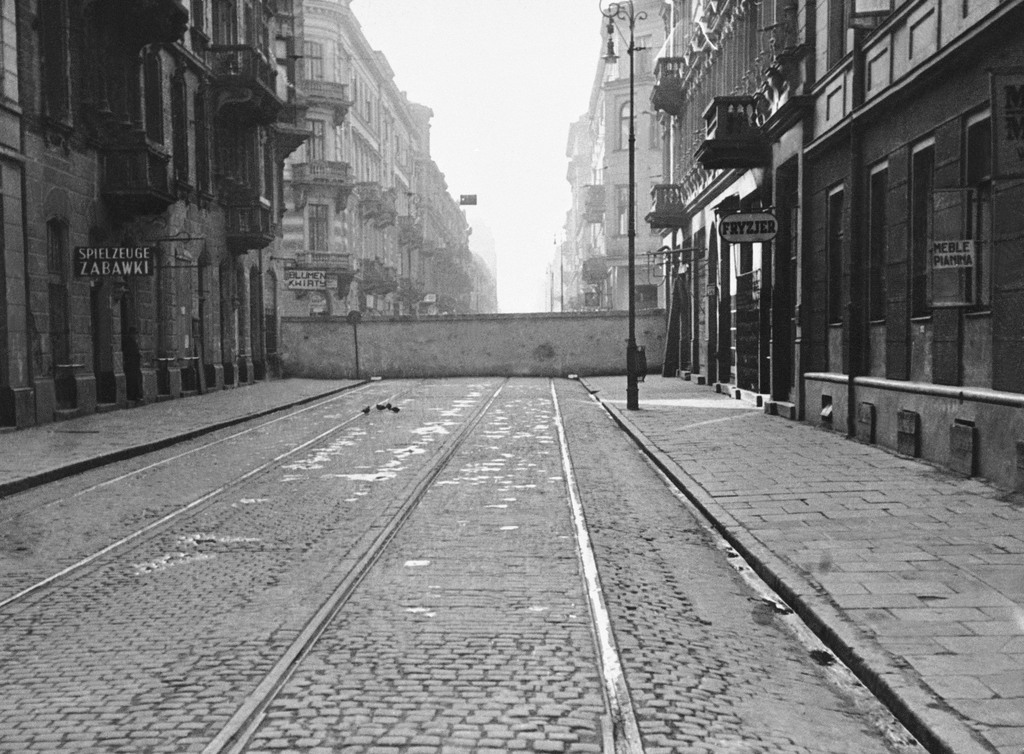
(937,727)
(87,464)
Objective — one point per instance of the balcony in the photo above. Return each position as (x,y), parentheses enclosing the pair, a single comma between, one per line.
(377,204)
(323,179)
(135,180)
(328,94)
(376,279)
(667,94)
(733,137)
(244,85)
(290,130)
(593,204)
(249,226)
(137,23)
(669,207)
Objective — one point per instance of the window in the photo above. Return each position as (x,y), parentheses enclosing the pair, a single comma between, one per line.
(179,124)
(838,22)
(202,143)
(56,264)
(225,24)
(878,189)
(313,52)
(8,50)
(922,164)
(318,227)
(624,113)
(315,145)
(622,209)
(654,134)
(978,175)
(153,96)
(53,40)
(835,236)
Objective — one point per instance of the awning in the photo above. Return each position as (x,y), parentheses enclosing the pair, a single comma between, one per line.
(677,44)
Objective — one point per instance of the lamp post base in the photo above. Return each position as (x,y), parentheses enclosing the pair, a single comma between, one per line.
(632,387)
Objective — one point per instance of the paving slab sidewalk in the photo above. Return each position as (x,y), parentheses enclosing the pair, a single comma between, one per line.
(912,575)
(37,455)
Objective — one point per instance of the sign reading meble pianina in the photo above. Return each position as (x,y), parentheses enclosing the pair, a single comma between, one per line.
(97,261)
(1008,123)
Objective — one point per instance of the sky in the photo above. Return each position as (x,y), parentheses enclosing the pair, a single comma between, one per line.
(505,81)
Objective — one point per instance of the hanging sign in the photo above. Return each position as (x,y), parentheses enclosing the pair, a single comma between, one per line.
(305,280)
(748,227)
(1008,123)
(98,261)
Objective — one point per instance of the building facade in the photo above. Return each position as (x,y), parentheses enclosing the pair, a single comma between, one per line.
(154,133)
(370,226)
(593,259)
(885,301)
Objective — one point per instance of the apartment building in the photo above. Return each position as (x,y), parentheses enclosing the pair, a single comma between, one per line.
(370,225)
(594,257)
(141,197)
(879,145)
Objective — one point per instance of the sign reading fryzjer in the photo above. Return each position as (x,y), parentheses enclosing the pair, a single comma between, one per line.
(94,261)
(953,254)
(748,227)
(305,280)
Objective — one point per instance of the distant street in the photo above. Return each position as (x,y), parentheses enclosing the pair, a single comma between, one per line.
(408,566)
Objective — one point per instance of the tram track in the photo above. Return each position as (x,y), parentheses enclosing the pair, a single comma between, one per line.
(195,505)
(236,734)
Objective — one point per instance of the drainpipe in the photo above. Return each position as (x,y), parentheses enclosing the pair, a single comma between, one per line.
(856,317)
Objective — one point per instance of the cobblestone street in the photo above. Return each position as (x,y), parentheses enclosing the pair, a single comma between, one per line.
(399,569)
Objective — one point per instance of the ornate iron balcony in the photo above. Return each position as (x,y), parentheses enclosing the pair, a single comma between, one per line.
(135,180)
(667,94)
(249,226)
(377,204)
(669,208)
(244,85)
(733,136)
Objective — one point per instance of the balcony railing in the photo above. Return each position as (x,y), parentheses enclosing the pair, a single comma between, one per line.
(733,136)
(667,94)
(329,93)
(136,180)
(245,84)
(321,172)
(595,270)
(668,209)
(249,226)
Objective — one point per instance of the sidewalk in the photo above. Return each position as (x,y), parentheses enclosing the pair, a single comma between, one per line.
(38,455)
(913,576)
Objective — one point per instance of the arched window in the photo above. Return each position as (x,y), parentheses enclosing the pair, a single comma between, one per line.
(624,126)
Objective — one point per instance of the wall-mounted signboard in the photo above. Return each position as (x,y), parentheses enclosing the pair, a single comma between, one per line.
(305,280)
(1008,123)
(748,227)
(952,258)
(99,261)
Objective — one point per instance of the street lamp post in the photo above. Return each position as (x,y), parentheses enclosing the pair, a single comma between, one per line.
(627,12)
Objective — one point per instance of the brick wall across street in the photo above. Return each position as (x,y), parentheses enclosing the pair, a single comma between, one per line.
(458,346)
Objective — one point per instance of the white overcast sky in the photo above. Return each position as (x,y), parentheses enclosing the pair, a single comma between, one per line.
(505,80)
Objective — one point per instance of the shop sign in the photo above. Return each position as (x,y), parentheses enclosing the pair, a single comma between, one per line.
(98,261)
(748,227)
(305,280)
(953,254)
(1008,123)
